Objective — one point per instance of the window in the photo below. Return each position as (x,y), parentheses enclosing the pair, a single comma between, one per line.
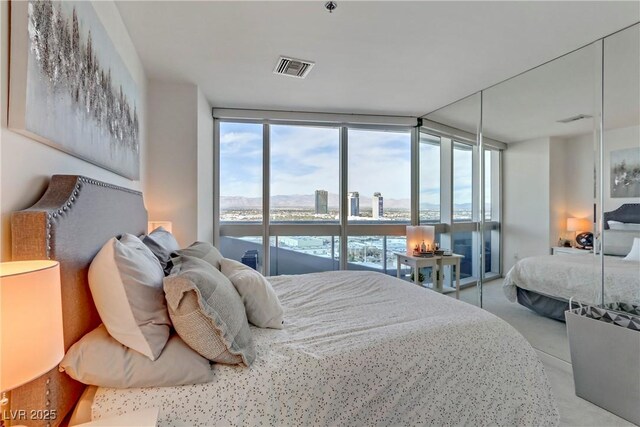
(379,176)
(247,250)
(487,185)
(429,178)
(375,253)
(240,172)
(462,182)
(303,232)
(305,171)
(304,254)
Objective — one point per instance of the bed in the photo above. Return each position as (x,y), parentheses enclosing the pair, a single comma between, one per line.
(545,284)
(358,348)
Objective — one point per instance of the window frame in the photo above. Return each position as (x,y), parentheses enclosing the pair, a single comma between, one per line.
(344,229)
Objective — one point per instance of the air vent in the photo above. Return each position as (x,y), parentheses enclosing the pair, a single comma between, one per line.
(575,118)
(293,67)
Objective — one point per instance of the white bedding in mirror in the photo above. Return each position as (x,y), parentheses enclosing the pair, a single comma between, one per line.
(362,348)
(577,276)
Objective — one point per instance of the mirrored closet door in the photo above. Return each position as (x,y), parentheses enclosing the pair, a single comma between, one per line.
(620,179)
(454,129)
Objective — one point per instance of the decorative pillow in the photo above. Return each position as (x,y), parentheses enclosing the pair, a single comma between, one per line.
(98,359)
(626,226)
(634,253)
(126,283)
(207,312)
(161,243)
(618,242)
(260,301)
(203,250)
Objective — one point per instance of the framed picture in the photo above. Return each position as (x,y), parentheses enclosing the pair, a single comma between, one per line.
(69,88)
(625,173)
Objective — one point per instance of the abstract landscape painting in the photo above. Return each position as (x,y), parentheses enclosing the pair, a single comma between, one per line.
(75,92)
(625,173)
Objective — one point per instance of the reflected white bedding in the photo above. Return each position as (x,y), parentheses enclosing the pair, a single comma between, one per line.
(363,348)
(577,276)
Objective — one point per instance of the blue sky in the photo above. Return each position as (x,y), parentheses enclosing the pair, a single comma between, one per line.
(304,159)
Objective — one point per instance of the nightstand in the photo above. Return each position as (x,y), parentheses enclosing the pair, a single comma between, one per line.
(142,418)
(416,263)
(561,250)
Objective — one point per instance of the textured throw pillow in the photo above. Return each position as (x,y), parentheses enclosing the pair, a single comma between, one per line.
(634,253)
(162,244)
(207,312)
(203,250)
(126,283)
(260,301)
(98,359)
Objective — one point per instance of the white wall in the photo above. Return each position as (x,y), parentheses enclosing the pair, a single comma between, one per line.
(557,190)
(579,172)
(526,178)
(549,180)
(205,169)
(26,165)
(179,180)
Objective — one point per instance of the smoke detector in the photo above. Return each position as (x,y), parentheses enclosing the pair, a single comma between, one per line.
(293,67)
(575,118)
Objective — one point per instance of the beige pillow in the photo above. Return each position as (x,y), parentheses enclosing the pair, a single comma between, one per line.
(98,359)
(260,301)
(125,278)
(207,312)
(162,243)
(203,250)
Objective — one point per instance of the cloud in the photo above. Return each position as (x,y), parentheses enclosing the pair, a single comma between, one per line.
(305,159)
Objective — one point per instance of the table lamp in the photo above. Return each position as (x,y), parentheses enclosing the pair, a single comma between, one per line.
(152,225)
(31,339)
(418,234)
(577,224)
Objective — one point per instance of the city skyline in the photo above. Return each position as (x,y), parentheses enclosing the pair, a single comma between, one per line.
(302,157)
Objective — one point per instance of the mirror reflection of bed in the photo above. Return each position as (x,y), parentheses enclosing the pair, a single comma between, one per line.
(545,284)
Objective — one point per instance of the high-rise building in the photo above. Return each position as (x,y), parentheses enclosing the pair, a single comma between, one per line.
(322,202)
(354,203)
(376,206)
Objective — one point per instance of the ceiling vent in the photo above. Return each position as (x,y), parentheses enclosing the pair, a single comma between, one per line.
(575,118)
(293,67)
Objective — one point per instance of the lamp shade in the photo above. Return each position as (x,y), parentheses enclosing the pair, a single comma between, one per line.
(418,234)
(31,340)
(152,225)
(577,224)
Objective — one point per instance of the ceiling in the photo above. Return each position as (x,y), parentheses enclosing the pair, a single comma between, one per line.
(530,105)
(393,58)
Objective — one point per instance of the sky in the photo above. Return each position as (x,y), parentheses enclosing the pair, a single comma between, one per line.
(305,159)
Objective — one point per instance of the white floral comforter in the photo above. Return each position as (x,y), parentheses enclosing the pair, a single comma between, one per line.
(577,276)
(361,348)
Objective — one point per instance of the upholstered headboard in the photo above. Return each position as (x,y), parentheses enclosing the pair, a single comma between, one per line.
(629,212)
(70,223)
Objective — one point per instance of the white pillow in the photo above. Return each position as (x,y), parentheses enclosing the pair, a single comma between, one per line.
(625,226)
(634,253)
(125,278)
(260,300)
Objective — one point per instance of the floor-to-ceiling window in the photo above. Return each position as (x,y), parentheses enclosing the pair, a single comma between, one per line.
(321,196)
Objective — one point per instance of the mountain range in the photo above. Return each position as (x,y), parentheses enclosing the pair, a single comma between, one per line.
(308,201)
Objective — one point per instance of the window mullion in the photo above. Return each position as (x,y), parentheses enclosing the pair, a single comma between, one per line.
(344,188)
(266,198)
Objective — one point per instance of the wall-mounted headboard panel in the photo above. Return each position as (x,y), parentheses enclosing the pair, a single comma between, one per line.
(70,223)
(629,212)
